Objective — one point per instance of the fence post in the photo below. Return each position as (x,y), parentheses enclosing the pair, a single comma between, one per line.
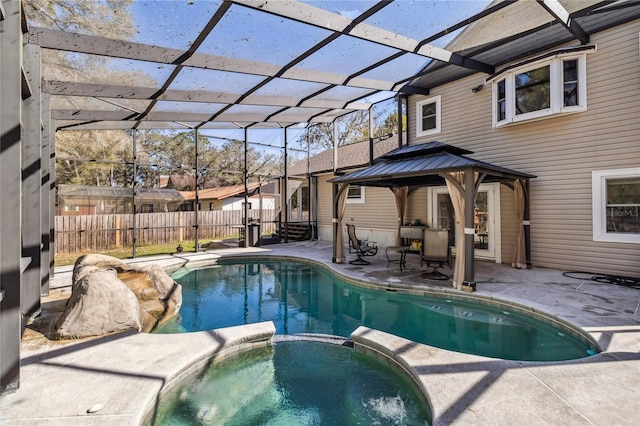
(180,224)
(118,231)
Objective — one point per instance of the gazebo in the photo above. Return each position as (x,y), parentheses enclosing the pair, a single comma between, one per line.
(437,164)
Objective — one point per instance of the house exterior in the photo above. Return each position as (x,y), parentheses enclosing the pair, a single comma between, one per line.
(74,200)
(567,113)
(232,197)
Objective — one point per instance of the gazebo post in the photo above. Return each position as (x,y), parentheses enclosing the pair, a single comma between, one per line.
(469,230)
(527,224)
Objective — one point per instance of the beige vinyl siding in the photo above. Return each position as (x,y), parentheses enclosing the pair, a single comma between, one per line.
(508,225)
(562,152)
(417,206)
(325,200)
(377,212)
(325,207)
(375,219)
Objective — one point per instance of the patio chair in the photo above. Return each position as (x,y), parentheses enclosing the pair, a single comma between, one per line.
(435,252)
(360,247)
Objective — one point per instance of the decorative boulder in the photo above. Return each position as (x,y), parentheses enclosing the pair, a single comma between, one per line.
(110,296)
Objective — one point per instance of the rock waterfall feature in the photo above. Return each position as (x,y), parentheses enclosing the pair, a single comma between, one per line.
(110,296)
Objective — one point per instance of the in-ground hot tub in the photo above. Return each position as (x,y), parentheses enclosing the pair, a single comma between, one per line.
(295,382)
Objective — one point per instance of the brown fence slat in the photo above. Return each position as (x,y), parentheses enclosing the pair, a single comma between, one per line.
(74,234)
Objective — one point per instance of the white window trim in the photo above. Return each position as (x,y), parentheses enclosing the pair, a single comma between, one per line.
(557,93)
(357,200)
(599,190)
(437,129)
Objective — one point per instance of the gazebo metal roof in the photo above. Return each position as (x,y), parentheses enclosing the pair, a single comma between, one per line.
(421,165)
(272,64)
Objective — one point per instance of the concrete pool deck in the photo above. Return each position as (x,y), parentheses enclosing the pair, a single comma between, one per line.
(119,376)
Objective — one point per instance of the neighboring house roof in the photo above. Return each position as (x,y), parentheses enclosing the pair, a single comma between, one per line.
(515,30)
(222,192)
(420,165)
(349,156)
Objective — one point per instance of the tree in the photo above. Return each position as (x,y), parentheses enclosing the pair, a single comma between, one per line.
(89,157)
(390,125)
(258,164)
(105,153)
(173,153)
(352,128)
(108,18)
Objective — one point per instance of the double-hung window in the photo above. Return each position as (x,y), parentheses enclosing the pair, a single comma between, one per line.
(616,205)
(428,116)
(550,85)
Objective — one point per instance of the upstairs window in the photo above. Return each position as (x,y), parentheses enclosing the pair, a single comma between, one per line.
(428,116)
(551,85)
(501,105)
(533,90)
(570,80)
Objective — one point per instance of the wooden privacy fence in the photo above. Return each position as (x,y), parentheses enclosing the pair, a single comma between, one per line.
(75,234)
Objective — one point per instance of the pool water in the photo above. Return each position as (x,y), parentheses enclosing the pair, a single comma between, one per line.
(300,298)
(295,383)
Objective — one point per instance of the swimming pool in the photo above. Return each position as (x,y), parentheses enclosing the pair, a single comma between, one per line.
(295,383)
(302,298)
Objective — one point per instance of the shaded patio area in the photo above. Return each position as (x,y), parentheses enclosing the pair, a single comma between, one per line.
(465,389)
